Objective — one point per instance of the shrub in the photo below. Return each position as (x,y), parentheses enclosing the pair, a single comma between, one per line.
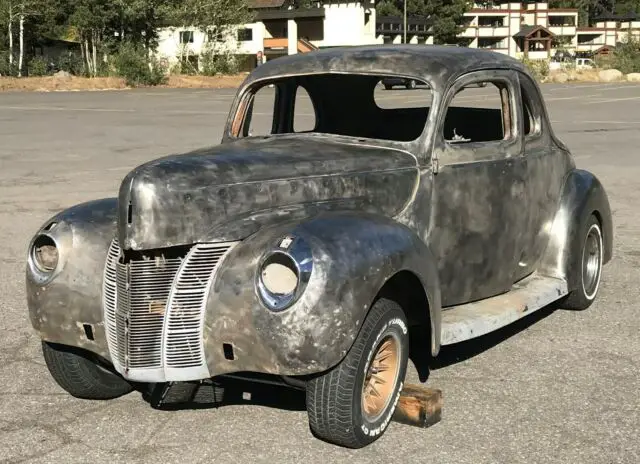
(538,68)
(626,56)
(7,69)
(137,68)
(38,66)
(218,62)
(71,62)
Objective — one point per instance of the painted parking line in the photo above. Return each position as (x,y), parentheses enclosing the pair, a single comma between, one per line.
(575,97)
(611,100)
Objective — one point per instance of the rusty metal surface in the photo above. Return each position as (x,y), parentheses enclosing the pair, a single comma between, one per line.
(465,222)
(73,297)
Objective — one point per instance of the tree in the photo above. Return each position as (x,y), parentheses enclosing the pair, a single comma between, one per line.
(445,16)
(20,12)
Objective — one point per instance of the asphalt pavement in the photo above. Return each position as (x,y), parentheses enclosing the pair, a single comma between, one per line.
(560,387)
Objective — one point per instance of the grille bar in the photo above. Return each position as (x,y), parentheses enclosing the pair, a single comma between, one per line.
(183,348)
(109,303)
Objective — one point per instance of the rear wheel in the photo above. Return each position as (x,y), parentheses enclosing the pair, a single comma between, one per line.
(587,259)
(81,376)
(352,404)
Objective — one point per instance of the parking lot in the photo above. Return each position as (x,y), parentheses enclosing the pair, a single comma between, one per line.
(559,387)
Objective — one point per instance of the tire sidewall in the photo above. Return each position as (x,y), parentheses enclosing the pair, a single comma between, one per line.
(589,225)
(395,323)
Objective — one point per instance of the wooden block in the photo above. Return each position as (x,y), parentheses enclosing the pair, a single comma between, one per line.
(419,406)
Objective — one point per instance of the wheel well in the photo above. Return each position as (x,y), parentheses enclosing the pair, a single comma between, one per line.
(406,289)
(598,216)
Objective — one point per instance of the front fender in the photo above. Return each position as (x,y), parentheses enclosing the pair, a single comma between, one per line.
(582,195)
(354,254)
(60,305)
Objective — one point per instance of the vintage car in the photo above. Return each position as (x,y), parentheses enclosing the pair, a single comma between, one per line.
(325,258)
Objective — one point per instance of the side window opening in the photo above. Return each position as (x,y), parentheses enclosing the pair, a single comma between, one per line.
(529,110)
(261,112)
(304,115)
(526,113)
(480,112)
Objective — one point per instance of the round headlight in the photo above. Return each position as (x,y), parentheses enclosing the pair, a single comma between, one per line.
(45,254)
(279,274)
(284,273)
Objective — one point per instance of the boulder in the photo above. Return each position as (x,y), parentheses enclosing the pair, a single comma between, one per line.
(633,77)
(609,75)
(62,75)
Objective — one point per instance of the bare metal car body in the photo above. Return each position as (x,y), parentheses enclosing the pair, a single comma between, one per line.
(163,282)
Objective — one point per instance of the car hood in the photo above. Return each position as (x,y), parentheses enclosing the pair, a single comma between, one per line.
(229,191)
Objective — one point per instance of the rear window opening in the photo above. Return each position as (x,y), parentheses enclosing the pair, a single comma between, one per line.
(354,105)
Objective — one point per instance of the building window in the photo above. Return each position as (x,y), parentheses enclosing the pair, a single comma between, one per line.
(245,35)
(186,37)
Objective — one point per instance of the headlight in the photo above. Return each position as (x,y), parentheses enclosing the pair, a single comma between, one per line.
(283,273)
(44,254)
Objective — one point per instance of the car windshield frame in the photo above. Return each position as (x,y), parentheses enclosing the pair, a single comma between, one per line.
(240,116)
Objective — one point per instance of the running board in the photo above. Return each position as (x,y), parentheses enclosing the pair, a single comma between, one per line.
(471,320)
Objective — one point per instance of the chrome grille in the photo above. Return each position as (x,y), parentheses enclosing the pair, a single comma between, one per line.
(143,292)
(109,300)
(186,309)
(154,312)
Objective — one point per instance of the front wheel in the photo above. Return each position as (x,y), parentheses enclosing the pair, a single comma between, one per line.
(411,84)
(587,257)
(352,404)
(82,377)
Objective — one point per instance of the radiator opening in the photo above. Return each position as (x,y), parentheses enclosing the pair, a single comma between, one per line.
(228,351)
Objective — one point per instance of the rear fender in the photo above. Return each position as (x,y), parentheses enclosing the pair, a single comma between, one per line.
(582,196)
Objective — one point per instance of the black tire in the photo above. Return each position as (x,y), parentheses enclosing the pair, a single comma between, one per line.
(588,251)
(411,84)
(335,399)
(82,377)
(388,87)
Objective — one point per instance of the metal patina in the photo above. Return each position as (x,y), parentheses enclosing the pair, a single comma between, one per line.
(444,226)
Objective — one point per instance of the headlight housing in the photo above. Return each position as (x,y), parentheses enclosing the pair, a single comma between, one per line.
(44,253)
(283,273)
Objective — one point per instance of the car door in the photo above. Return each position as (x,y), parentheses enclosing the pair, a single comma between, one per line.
(479,204)
(547,166)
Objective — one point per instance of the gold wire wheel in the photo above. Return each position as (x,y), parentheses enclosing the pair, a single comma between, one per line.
(381,378)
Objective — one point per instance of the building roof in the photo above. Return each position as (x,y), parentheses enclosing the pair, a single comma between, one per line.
(255,4)
(436,64)
(527,31)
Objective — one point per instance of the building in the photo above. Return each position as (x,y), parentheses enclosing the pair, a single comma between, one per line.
(279,29)
(608,31)
(519,29)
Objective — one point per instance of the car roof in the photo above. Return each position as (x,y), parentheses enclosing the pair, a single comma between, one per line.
(436,63)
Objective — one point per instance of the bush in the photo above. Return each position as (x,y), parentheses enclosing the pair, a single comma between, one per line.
(71,62)
(538,68)
(38,66)
(135,66)
(7,69)
(218,62)
(626,56)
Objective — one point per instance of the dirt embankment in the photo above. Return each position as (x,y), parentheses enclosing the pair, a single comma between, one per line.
(71,83)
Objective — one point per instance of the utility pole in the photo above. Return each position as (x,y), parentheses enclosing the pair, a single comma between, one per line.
(405,21)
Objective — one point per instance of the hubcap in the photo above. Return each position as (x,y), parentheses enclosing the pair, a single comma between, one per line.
(381,378)
(591,261)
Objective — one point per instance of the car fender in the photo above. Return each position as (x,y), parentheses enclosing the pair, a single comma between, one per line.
(60,304)
(582,195)
(353,255)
